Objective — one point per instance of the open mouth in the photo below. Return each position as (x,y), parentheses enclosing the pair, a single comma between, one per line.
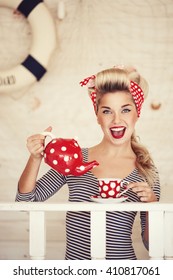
(118,132)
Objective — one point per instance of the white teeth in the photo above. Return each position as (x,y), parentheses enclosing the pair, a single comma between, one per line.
(117,128)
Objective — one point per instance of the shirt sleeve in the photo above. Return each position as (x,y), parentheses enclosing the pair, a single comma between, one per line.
(45,187)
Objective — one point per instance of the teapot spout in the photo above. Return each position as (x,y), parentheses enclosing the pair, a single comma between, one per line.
(84,167)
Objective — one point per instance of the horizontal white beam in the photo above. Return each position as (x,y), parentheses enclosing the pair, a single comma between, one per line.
(85,206)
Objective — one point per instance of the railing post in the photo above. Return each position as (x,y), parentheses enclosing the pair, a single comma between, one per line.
(37,235)
(156,234)
(160,225)
(168,226)
(98,234)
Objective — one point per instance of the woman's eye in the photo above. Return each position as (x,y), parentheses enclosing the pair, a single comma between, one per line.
(126,110)
(106,111)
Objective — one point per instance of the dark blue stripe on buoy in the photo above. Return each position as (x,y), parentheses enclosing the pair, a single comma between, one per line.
(34,67)
(26,6)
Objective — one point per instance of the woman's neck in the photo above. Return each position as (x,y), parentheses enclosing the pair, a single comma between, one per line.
(114,161)
(109,149)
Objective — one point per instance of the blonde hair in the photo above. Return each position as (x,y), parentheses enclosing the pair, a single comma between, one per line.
(144,161)
(118,79)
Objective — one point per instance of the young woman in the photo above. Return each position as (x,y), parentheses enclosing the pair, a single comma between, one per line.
(117,95)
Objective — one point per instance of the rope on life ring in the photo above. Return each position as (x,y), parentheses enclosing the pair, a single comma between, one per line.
(43,44)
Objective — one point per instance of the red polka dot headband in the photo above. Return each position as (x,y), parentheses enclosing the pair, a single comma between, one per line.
(134,88)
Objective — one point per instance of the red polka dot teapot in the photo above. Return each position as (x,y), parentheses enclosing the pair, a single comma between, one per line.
(65,156)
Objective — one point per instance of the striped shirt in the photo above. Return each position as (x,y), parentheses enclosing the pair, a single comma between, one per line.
(118,224)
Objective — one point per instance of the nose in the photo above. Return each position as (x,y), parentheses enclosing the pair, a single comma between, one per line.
(116,118)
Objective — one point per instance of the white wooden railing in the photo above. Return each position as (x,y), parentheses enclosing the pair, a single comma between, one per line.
(160,225)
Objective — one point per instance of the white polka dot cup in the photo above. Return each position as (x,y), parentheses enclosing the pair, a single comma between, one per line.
(110,187)
(65,156)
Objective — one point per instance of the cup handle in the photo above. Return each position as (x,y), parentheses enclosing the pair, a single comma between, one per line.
(123,183)
(121,193)
(47,133)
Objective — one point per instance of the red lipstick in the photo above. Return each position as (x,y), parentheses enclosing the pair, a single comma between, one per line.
(117,131)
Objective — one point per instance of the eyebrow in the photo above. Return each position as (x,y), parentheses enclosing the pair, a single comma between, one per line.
(106,107)
(126,105)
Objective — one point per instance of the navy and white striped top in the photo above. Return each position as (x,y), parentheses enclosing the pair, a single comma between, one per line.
(118,224)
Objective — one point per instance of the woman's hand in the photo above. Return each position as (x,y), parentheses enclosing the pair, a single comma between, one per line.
(35,144)
(143,191)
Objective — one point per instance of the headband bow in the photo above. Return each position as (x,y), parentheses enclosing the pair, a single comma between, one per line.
(134,88)
(138,96)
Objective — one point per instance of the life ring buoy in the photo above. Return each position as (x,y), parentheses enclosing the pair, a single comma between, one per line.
(43,44)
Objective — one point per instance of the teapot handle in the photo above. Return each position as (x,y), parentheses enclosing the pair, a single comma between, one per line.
(47,133)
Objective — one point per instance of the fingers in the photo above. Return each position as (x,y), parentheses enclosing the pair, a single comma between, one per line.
(143,191)
(35,144)
(49,129)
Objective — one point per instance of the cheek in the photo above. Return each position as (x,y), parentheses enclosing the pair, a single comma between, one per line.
(98,120)
(103,120)
(133,121)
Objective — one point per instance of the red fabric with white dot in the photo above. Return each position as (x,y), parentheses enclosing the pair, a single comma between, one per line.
(110,188)
(65,156)
(138,96)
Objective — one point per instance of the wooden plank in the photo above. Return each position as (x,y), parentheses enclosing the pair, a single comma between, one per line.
(156,234)
(98,235)
(37,235)
(168,238)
